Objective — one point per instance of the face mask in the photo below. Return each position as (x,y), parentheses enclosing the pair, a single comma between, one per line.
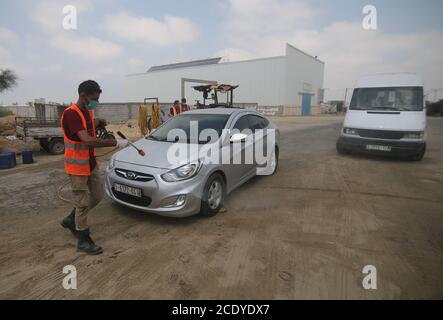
(92,104)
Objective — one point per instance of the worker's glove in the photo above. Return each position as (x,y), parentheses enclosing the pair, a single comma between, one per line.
(122,143)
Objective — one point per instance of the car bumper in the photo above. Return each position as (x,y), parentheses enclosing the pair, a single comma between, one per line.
(156,194)
(397,148)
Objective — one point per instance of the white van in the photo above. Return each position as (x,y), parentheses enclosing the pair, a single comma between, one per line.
(386,116)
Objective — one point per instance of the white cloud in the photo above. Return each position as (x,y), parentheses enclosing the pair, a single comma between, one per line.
(7,35)
(173,30)
(259,15)
(54,67)
(350,52)
(86,47)
(49,16)
(133,62)
(259,27)
(262,28)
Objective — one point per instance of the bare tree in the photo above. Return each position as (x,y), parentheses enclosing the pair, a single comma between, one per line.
(8,79)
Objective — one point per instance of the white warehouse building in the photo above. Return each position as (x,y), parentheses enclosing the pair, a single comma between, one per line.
(284,85)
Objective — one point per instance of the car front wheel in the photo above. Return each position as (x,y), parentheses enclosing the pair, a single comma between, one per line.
(213,196)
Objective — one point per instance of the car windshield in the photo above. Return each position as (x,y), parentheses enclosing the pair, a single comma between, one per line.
(394,98)
(216,122)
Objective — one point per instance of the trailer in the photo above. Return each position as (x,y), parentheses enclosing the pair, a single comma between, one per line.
(48,130)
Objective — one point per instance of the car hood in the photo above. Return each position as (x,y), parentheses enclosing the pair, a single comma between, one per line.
(156,154)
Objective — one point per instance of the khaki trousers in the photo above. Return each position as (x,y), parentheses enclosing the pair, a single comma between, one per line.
(88,192)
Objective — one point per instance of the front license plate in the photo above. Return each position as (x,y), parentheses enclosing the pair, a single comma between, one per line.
(378,148)
(136,192)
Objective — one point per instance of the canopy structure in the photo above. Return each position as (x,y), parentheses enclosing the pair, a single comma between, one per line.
(217,88)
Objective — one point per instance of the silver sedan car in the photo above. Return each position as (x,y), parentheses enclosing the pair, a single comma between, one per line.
(175,177)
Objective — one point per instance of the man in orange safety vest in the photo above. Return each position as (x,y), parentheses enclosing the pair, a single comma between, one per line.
(77,123)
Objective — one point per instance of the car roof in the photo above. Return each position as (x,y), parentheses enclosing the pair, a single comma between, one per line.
(390,80)
(228,111)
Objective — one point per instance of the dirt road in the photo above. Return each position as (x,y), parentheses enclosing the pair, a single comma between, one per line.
(306,232)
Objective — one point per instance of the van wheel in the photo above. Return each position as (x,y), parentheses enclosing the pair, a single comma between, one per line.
(213,195)
(56,146)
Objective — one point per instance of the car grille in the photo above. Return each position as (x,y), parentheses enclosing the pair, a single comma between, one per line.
(133,175)
(380,134)
(142,202)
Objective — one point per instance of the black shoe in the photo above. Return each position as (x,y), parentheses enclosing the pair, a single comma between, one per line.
(69,222)
(86,244)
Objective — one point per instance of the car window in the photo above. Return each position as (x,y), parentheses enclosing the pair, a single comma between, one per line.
(257,122)
(242,124)
(183,122)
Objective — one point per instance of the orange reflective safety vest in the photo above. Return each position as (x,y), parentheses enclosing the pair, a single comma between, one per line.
(174,110)
(77,153)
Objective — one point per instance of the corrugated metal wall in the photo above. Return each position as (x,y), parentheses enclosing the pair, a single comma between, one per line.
(304,74)
(259,81)
(277,81)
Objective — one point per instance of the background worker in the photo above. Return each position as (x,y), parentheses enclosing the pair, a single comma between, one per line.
(178,107)
(184,105)
(80,162)
(175,109)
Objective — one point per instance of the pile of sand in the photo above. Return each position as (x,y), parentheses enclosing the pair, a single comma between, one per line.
(17,145)
(7,126)
(7,135)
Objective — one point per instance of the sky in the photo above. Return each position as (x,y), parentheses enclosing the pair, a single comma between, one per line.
(119,37)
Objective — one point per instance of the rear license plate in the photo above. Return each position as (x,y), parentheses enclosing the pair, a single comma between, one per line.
(378,148)
(136,192)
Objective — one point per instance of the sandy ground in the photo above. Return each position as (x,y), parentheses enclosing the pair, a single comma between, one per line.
(306,232)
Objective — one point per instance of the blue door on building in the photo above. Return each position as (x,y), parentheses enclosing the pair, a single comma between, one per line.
(306,104)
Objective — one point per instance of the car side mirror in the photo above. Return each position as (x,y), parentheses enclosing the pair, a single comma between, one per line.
(238,137)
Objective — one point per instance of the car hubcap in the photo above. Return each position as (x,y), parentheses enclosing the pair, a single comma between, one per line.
(215,194)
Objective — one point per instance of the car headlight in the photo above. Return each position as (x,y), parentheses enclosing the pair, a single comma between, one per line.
(182,173)
(111,164)
(350,131)
(414,135)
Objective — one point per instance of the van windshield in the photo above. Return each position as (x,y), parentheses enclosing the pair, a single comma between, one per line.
(393,98)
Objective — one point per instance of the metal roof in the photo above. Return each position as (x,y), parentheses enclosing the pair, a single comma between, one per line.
(185,64)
